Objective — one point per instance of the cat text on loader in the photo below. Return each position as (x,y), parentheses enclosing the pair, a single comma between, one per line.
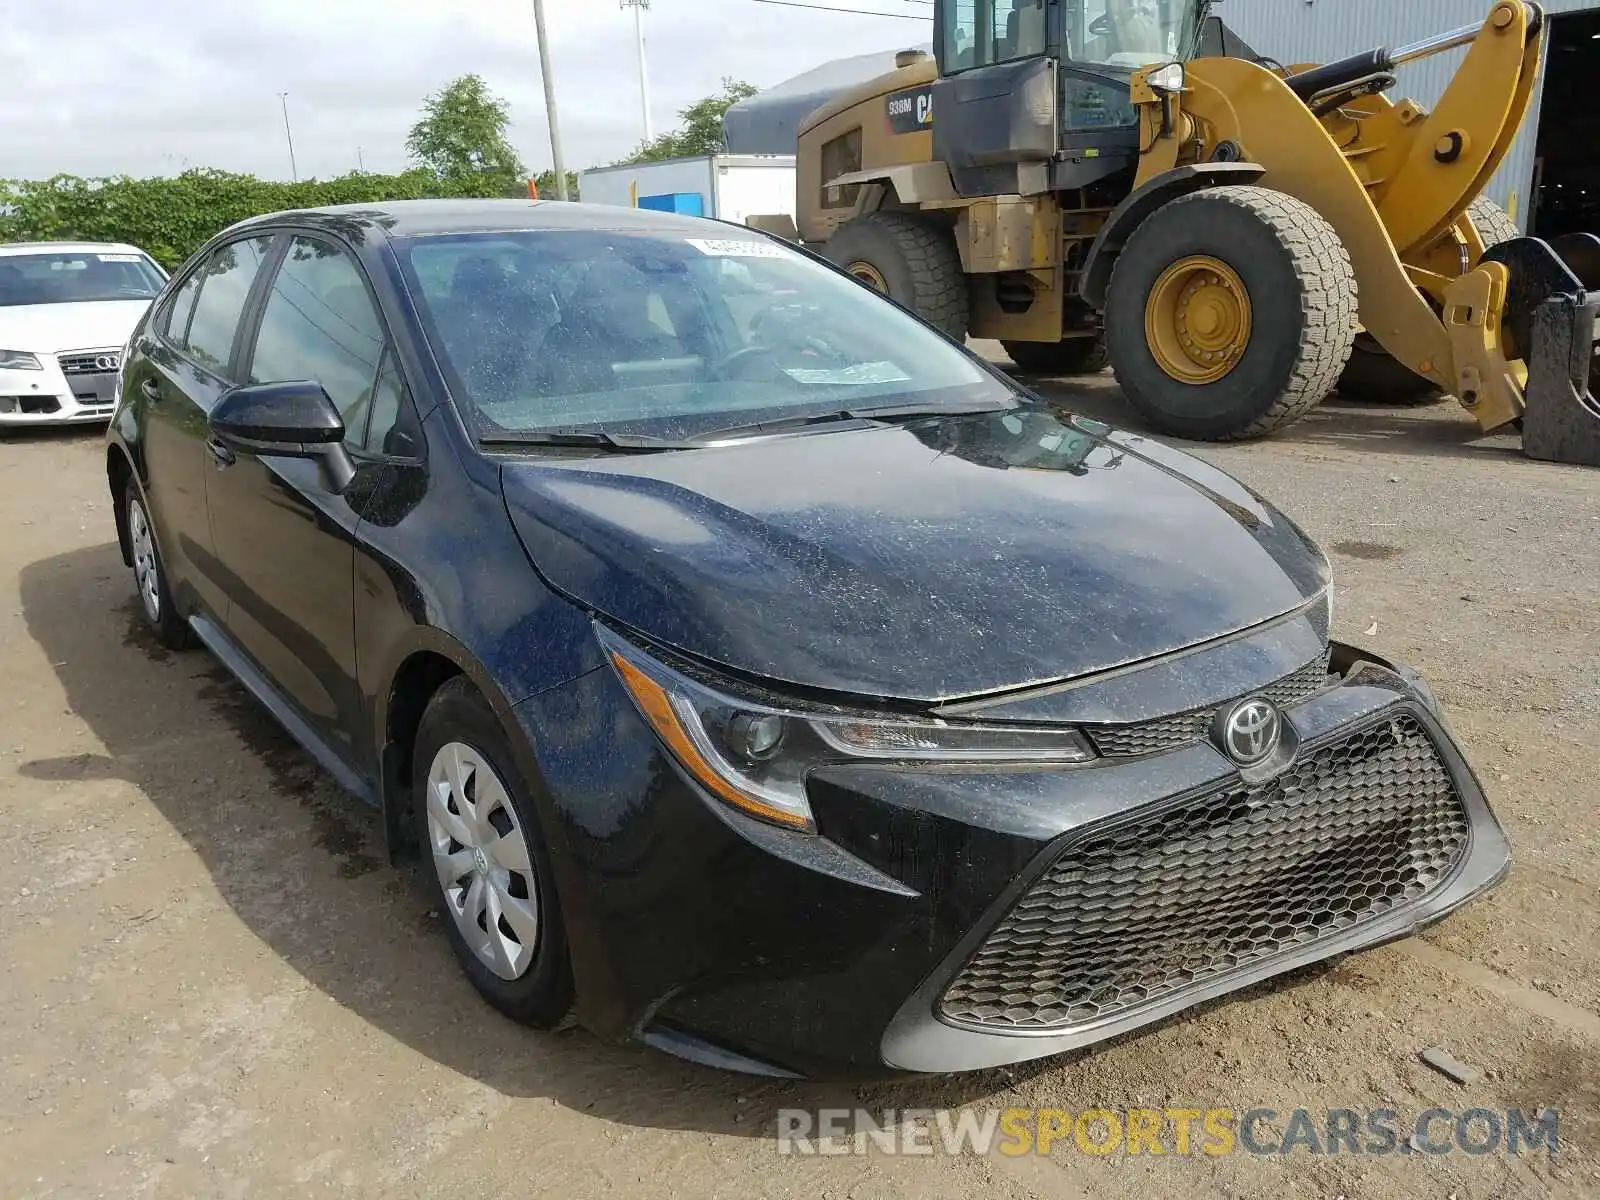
(1234,227)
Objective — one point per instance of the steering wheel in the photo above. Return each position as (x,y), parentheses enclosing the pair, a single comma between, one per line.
(730,365)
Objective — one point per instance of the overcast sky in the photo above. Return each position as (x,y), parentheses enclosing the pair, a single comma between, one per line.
(97,87)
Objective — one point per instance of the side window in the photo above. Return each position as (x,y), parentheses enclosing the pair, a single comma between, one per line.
(392,427)
(319,323)
(175,324)
(960,34)
(842,156)
(1007,30)
(225,279)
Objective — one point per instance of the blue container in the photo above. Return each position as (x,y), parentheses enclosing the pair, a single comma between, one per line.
(688,204)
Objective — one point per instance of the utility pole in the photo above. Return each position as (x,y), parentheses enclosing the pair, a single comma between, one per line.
(294,171)
(550,99)
(361,162)
(638,7)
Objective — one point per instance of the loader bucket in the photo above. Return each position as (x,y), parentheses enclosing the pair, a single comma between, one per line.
(1552,314)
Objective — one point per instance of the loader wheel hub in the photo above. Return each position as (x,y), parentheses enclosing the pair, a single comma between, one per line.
(1197,320)
(869,275)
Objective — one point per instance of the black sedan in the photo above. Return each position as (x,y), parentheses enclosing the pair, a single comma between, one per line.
(756,672)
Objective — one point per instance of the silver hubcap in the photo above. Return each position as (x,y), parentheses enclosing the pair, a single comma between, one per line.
(146,571)
(481,855)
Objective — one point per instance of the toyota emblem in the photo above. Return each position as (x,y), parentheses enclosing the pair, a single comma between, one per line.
(1249,731)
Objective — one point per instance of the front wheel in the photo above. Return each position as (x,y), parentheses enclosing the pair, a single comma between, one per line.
(483,849)
(1231,313)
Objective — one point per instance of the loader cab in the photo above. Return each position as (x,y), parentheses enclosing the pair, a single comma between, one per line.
(1033,95)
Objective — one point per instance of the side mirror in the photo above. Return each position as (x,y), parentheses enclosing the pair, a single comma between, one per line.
(290,420)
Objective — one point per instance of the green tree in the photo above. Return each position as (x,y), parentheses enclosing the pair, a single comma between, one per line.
(547,185)
(701,131)
(461,138)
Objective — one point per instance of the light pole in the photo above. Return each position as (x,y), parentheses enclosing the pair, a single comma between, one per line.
(638,7)
(550,100)
(294,171)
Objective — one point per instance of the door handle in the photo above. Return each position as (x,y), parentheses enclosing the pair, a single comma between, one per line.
(151,389)
(223,456)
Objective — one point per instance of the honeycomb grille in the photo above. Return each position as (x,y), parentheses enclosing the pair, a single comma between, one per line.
(1156,906)
(103,362)
(1168,733)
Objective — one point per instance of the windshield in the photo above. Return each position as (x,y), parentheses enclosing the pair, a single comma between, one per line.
(1130,33)
(668,336)
(59,277)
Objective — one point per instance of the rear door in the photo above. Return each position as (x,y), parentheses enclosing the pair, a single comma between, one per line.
(184,362)
(285,541)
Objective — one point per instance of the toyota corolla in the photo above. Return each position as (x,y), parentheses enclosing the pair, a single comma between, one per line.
(754,671)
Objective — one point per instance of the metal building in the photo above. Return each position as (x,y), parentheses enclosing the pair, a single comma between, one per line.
(1551,180)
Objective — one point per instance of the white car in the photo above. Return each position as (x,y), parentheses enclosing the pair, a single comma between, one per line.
(66,311)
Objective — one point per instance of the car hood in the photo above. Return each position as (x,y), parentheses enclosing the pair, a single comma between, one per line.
(52,328)
(944,558)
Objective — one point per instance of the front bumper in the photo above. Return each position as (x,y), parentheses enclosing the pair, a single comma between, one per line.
(712,936)
(50,396)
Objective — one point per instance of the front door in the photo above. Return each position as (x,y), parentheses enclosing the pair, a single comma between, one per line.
(187,362)
(285,540)
(994,103)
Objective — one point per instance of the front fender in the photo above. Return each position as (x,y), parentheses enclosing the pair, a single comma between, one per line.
(1143,202)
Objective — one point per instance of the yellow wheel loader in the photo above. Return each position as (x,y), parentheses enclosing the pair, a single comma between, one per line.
(1082,177)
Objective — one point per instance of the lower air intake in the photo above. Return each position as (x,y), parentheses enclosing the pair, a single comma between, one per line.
(1152,907)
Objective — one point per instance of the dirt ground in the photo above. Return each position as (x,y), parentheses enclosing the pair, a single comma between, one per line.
(213,985)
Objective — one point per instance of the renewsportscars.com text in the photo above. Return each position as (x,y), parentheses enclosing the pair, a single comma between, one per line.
(1179,1132)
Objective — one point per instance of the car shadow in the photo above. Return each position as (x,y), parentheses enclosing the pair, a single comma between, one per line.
(302,864)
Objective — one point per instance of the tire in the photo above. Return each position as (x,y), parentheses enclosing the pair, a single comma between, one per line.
(161,615)
(1373,375)
(1494,223)
(1302,312)
(502,856)
(1074,356)
(911,259)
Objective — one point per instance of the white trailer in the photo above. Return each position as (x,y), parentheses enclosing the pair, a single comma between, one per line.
(730,187)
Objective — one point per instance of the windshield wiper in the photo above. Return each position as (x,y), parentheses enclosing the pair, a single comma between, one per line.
(890,412)
(621,443)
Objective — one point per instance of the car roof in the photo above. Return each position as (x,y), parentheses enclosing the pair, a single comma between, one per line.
(420,218)
(9,248)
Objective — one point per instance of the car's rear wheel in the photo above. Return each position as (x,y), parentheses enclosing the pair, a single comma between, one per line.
(490,870)
(150,574)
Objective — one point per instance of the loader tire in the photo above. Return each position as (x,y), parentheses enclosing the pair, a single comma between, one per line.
(1075,356)
(1494,223)
(1260,288)
(912,260)
(1374,376)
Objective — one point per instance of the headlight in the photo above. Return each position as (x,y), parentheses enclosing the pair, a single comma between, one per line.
(1167,79)
(19,360)
(756,755)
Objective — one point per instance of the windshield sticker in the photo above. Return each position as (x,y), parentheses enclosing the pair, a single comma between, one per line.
(736,248)
(131,258)
(875,372)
